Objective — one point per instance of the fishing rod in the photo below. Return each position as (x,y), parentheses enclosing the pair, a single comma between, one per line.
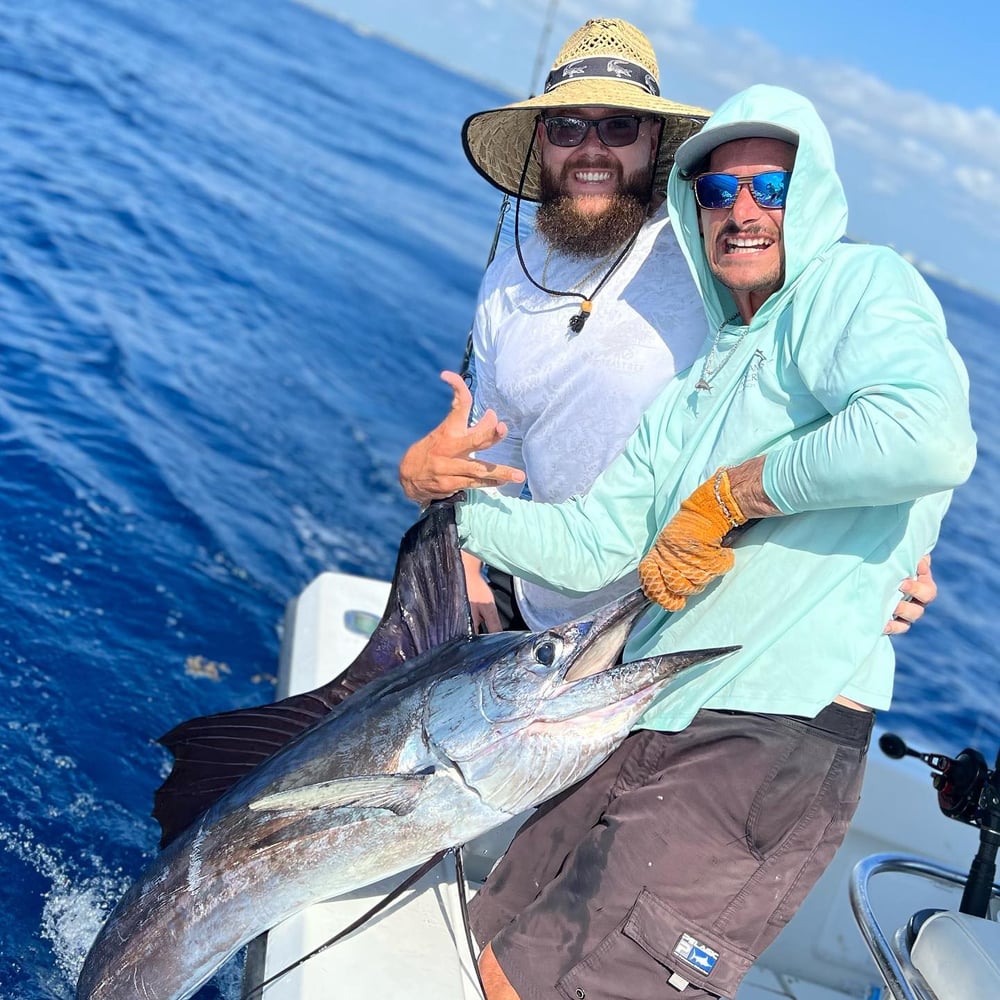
(536,70)
(256,992)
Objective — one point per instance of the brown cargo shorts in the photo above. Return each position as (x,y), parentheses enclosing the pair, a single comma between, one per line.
(677,862)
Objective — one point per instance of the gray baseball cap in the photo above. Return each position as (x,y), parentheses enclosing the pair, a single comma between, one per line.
(693,151)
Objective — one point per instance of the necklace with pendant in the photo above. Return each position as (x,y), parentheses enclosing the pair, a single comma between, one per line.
(587,304)
(586,301)
(712,365)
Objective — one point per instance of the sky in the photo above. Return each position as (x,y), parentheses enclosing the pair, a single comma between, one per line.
(910,91)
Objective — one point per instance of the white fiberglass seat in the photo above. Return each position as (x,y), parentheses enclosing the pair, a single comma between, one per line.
(959,956)
(941,954)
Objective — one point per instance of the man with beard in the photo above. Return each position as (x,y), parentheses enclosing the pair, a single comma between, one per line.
(579,327)
(571,340)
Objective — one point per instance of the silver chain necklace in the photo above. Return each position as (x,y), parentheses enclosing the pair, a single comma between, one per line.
(592,273)
(712,365)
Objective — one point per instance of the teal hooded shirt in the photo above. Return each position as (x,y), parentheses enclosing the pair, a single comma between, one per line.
(846,381)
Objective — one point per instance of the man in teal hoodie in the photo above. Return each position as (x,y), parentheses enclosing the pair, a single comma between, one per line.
(826,405)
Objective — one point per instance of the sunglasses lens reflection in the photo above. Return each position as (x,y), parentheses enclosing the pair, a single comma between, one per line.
(769,189)
(716,190)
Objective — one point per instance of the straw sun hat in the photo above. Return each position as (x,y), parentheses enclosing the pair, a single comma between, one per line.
(607,63)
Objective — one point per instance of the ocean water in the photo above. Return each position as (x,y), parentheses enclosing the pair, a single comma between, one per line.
(238,243)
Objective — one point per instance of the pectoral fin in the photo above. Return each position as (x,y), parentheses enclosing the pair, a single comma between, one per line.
(394,793)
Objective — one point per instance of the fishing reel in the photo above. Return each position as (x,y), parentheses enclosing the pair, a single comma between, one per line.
(968,791)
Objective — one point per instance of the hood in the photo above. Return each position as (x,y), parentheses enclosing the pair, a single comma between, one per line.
(815,210)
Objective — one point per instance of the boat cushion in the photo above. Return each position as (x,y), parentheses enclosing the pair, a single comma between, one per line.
(959,955)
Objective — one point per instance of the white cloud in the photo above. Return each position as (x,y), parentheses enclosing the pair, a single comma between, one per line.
(855,104)
(886,182)
(918,170)
(976,198)
(977,182)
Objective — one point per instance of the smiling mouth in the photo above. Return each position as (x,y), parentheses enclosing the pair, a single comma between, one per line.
(746,244)
(592,176)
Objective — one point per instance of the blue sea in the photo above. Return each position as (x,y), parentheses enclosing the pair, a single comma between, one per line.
(238,241)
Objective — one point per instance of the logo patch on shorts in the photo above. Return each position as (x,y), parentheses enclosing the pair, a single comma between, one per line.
(696,954)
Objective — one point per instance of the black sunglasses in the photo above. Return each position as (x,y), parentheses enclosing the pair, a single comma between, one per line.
(615,130)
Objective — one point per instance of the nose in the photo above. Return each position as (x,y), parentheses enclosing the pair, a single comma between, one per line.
(591,138)
(744,207)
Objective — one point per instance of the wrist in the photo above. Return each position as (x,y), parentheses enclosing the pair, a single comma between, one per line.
(728,504)
(746,482)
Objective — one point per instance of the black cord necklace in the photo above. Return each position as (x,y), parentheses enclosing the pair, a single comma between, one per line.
(586,301)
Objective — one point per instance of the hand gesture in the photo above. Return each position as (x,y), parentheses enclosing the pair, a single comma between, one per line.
(440,463)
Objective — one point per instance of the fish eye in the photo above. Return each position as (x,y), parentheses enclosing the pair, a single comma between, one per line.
(545,653)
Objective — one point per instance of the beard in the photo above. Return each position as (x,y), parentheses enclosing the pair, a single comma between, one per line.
(568,229)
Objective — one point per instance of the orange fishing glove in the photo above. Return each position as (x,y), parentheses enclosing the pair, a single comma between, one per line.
(688,553)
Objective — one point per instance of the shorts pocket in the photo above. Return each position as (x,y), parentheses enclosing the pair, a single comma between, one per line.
(815,862)
(654,952)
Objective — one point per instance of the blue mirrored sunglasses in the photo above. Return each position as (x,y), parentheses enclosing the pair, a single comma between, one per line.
(615,130)
(720,190)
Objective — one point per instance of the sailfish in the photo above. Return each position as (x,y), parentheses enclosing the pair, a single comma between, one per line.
(431,737)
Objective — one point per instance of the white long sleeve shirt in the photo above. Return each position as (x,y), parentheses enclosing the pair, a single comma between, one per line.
(571,401)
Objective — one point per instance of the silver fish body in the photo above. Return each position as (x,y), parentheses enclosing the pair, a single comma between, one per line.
(425,758)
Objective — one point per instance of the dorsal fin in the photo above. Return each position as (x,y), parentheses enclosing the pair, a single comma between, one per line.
(427,606)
